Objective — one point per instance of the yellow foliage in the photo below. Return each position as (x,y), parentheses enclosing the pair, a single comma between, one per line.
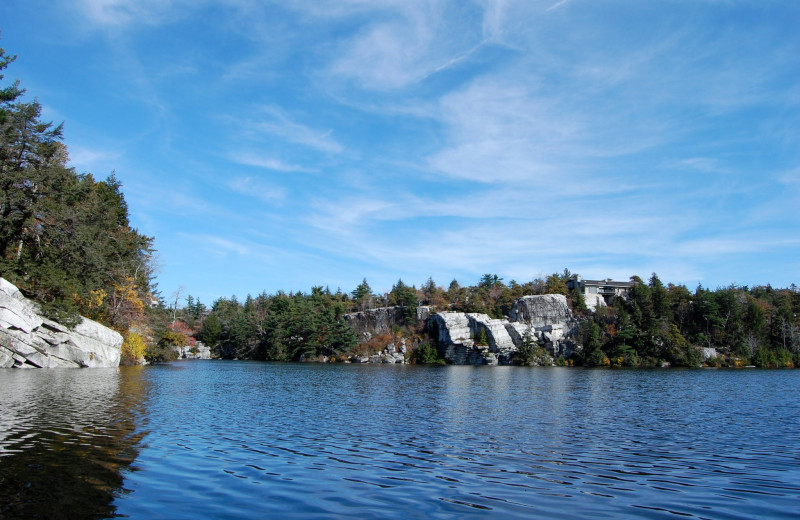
(126,307)
(93,305)
(96,298)
(133,346)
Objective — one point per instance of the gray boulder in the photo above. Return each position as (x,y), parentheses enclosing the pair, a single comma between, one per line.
(202,351)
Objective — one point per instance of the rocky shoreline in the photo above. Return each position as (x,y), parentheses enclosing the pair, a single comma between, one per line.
(547,318)
(29,340)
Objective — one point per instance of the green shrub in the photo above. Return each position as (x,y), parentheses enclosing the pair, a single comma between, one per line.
(481,338)
(597,358)
(426,354)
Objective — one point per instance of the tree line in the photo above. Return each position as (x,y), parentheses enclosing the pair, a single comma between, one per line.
(655,323)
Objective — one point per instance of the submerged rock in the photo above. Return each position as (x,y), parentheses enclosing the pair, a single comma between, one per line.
(28,340)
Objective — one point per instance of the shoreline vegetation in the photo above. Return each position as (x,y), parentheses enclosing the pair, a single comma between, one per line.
(66,242)
(656,325)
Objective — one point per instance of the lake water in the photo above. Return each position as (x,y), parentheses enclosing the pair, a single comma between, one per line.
(216,439)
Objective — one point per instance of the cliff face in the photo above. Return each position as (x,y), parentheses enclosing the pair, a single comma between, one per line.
(455,333)
(28,340)
(547,316)
(382,320)
(541,310)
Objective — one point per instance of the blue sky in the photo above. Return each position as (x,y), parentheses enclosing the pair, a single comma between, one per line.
(280,145)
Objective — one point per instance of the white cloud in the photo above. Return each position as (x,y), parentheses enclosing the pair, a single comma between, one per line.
(258,189)
(123,12)
(702,164)
(88,159)
(269,163)
(733,244)
(224,246)
(557,5)
(412,42)
(501,131)
(275,122)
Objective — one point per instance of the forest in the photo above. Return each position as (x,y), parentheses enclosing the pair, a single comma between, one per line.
(66,242)
(656,323)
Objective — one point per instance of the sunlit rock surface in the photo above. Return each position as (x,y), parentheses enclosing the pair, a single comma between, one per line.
(28,340)
(546,317)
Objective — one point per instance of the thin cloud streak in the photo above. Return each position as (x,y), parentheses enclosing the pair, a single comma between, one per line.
(274,122)
(268,163)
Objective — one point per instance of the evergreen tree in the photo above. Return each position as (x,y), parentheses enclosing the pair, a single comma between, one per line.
(406,297)
(362,294)
(65,239)
(578,301)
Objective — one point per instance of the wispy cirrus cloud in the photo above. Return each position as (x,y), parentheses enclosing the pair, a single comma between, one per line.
(265,162)
(411,42)
(258,188)
(557,5)
(276,123)
(701,164)
(117,13)
(88,159)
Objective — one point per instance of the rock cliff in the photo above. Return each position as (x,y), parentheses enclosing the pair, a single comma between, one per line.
(28,340)
(382,320)
(455,334)
(541,309)
(547,317)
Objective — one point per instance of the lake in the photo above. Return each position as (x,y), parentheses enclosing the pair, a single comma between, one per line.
(227,439)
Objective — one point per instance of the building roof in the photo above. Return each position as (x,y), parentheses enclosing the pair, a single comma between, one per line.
(608,281)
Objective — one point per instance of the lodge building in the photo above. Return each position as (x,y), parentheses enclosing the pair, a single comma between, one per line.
(594,289)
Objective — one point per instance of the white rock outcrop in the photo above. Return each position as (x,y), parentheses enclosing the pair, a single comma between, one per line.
(594,301)
(28,340)
(547,317)
(540,310)
(455,333)
(201,351)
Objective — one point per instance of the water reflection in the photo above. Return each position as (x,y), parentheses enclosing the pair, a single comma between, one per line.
(259,440)
(65,438)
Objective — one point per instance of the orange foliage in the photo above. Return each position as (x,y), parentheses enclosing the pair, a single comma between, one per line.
(183,329)
(375,344)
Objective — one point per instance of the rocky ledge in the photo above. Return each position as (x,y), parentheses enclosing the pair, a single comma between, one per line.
(28,340)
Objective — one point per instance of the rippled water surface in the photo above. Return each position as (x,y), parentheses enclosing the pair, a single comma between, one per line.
(256,440)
